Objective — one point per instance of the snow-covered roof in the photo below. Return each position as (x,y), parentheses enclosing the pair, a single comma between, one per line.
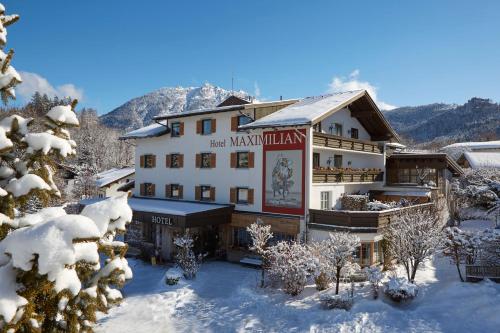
(483,160)
(161,206)
(475,145)
(147,132)
(113,175)
(306,111)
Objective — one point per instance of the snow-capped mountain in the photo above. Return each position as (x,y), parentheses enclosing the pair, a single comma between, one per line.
(441,124)
(140,111)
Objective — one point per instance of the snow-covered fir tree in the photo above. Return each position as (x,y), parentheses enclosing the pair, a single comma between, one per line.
(261,235)
(185,257)
(51,276)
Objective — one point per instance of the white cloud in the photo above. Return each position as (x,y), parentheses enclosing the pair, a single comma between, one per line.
(33,82)
(256,89)
(340,83)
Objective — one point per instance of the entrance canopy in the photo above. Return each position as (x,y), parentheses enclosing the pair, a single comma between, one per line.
(176,213)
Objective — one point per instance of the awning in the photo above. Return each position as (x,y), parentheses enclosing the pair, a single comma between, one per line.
(176,213)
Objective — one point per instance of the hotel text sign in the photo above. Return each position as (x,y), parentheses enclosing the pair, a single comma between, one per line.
(268,138)
(161,220)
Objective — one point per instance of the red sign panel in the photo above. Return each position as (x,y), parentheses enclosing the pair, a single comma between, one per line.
(283,181)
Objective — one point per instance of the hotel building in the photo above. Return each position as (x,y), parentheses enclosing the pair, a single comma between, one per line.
(290,163)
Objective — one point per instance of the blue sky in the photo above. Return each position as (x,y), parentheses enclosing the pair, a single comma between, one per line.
(408,52)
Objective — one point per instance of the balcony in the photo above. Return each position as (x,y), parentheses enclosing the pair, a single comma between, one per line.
(339,142)
(358,221)
(347,175)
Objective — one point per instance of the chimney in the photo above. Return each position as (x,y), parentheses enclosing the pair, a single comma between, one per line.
(281,97)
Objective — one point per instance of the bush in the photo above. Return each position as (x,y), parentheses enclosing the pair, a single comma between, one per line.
(173,276)
(322,281)
(336,302)
(399,289)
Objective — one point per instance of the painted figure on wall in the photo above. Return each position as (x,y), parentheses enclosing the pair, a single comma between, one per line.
(282,177)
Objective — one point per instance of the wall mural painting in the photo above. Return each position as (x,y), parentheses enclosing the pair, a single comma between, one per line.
(283,182)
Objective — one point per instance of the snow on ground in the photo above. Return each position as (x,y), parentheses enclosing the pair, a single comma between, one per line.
(477,225)
(225,297)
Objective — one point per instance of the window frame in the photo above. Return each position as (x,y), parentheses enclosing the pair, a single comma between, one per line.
(177,125)
(204,188)
(148,190)
(336,158)
(336,128)
(325,199)
(242,202)
(209,157)
(148,161)
(177,165)
(240,153)
(205,131)
(354,133)
(175,187)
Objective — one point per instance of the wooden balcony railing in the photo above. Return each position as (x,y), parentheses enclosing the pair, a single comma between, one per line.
(360,221)
(341,175)
(339,142)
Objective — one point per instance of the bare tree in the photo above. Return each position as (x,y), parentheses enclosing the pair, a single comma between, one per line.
(338,249)
(413,238)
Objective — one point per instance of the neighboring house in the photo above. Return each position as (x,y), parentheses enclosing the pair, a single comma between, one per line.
(110,182)
(289,163)
(476,155)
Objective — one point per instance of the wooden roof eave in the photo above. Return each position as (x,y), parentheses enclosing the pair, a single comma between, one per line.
(362,94)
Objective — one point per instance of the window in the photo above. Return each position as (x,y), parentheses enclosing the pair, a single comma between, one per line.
(175,161)
(205,160)
(316,160)
(241,238)
(242,195)
(176,129)
(337,161)
(242,160)
(149,190)
(204,192)
(336,129)
(354,133)
(243,120)
(325,200)
(175,191)
(365,254)
(317,127)
(206,126)
(149,161)
(378,255)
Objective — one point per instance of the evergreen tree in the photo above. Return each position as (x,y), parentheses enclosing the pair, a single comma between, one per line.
(51,279)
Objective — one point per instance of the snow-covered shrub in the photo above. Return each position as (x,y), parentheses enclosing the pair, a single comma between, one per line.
(260,234)
(324,271)
(291,263)
(399,289)
(338,250)
(186,259)
(173,276)
(343,301)
(460,246)
(374,275)
(376,205)
(413,237)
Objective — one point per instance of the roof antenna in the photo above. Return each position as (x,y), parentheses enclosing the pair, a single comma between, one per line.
(232,83)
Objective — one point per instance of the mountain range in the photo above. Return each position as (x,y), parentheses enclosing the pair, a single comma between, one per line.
(425,125)
(140,111)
